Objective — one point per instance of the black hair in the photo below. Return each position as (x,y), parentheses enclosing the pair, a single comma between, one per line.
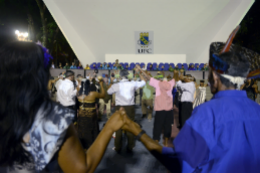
(93,81)
(79,75)
(23,89)
(86,86)
(202,81)
(69,73)
(124,73)
(92,87)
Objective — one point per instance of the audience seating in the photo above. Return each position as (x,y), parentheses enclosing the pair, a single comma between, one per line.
(154,65)
(179,65)
(166,65)
(201,65)
(172,64)
(185,65)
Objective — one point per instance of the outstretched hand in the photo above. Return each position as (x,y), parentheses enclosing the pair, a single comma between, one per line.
(117,120)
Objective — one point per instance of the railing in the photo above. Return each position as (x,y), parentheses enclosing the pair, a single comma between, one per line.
(197,74)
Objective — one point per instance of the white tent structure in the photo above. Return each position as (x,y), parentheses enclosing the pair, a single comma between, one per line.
(104,30)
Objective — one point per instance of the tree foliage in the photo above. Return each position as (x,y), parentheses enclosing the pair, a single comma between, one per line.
(32,16)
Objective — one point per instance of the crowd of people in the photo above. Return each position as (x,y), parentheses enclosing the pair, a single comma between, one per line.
(149,67)
(38,133)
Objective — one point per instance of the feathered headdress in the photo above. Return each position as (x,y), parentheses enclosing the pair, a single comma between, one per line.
(47,56)
(222,67)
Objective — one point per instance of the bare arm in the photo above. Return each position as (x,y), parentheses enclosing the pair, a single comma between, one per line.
(242,87)
(142,74)
(255,88)
(73,158)
(103,92)
(149,143)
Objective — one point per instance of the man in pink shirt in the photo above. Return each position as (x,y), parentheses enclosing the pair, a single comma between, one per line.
(163,106)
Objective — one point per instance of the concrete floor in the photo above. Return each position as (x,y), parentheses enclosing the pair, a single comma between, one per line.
(141,161)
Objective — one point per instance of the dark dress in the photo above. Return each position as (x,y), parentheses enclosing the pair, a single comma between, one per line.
(88,128)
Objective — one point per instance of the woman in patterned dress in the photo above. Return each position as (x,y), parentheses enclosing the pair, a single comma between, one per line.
(36,133)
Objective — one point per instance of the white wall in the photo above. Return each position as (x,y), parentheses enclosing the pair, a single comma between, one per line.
(158,58)
(95,28)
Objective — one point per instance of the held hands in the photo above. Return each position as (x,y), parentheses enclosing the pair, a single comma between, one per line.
(137,68)
(119,120)
(100,79)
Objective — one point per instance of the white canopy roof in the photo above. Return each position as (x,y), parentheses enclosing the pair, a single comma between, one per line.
(96,28)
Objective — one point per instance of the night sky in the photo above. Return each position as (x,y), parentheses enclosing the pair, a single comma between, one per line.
(13,18)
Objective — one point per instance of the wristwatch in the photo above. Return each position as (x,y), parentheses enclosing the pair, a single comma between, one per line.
(138,137)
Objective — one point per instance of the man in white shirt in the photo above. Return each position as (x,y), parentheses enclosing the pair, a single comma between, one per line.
(125,93)
(67,92)
(187,88)
(57,84)
(200,94)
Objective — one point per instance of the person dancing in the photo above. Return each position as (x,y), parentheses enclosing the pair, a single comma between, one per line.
(187,89)
(200,94)
(222,134)
(125,93)
(163,105)
(88,127)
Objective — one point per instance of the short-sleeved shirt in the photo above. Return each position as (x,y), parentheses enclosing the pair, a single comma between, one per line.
(222,135)
(66,93)
(125,91)
(148,91)
(187,91)
(46,136)
(163,94)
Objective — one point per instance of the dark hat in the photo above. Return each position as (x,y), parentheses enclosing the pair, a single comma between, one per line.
(79,75)
(124,73)
(69,73)
(233,60)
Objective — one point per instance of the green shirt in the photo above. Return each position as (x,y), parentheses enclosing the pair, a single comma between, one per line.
(183,69)
(66,67)
(171,69)
(204,69)
(120,68)
(148,91)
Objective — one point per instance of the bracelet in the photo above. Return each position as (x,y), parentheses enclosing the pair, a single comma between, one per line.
(138,137)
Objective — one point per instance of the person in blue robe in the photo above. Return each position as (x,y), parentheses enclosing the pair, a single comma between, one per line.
(222,135)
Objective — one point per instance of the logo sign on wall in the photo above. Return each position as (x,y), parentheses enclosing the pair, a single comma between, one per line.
(144,42)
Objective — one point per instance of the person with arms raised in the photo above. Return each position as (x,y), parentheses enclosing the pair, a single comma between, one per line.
(124,97)
(222,134)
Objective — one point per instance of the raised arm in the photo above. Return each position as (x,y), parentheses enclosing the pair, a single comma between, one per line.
(103,92)
(142,73)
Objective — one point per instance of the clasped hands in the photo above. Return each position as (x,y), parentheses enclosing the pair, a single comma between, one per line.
(119,120)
